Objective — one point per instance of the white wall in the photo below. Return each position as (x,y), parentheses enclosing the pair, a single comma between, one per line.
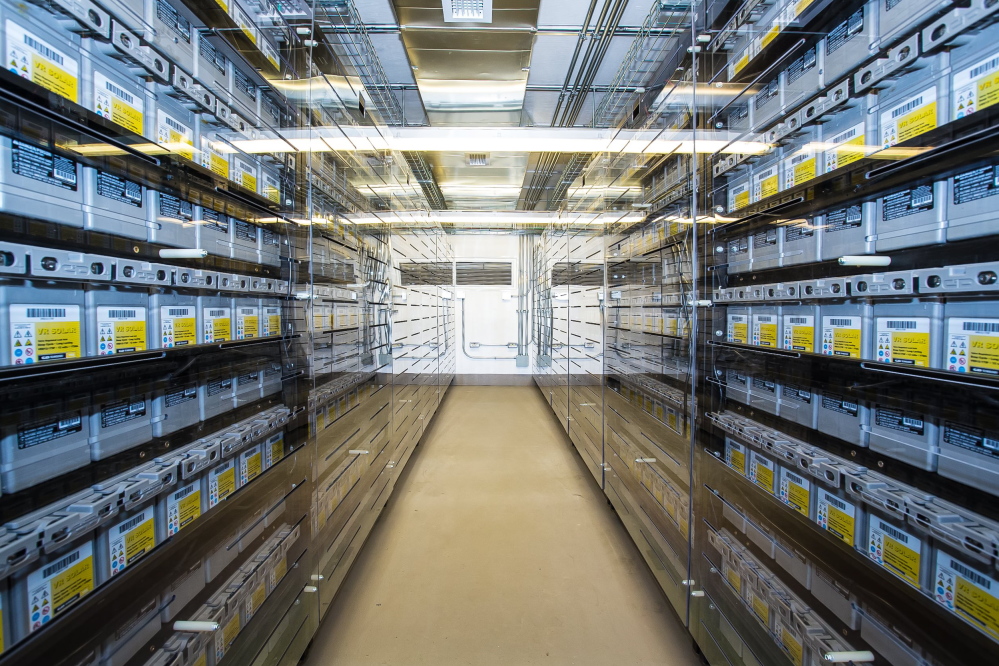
(489,317)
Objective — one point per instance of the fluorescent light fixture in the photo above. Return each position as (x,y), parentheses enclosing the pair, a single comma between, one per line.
(490,219)
(468,11)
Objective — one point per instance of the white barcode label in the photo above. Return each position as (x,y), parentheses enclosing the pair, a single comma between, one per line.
(973,345)
(40,333)
(118,105)
(120,330)
(914,116)
(175,136)
(974,88)
(35,59)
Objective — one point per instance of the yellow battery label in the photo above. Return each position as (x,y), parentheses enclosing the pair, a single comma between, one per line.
(973,346)
(256,599)
(247,322)
(178,326)
(183,508)
(212,157)
(791,643)
(114,102)
(895,549)
(799,333)
(217,325)
(800,167)
(967,592)
(271,188)
(245,24)
(842,336)
(54,587)
(131,539)
(174,135)
(40,333)
(738,328)
(225,638)
(795,491)
(770,35)
(35,59)
(739,197)
(913,117)
(760,608)
(904,341)
(741,63)
(120,329)
(250,465)
(733,577)
(735,456)
(271,321)
(221,483)
(762,473)
(845,148)
(270,53)
(975,87)
(280,569)
(836,516)
(274,448)
(765,184)
(765,330)
(801,6)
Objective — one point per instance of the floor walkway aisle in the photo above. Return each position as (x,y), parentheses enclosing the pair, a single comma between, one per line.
(498,548)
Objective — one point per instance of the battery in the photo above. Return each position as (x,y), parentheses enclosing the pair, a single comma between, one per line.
(905,435)
(801,242)
(972,75)
(216,318)
(270,317)
(766,176)
(245,95)
(114,205)
(843,417)
(176,406)
(172,220)
(216,394)
(43,440)
(765,394)
(245,240)
(112,91)
(845,138)
(246,315)
(851,42)
(38,183)
(795,490)
(804,76)
(273,449)
(738,193)
(251,463)
(41,321)
(739,254)
(117,320)
(846,330)
(179,508)
(913,104)
(898,17)
(970,210)
(912,217)
(220,482)
(767,103)
(39,50)
(736,456)
(213,150)
(766,248)
(212,68)
(966,589)
(763,472)
(173,319)
(174,32)
(270,181)
(908,333)
(738,326)
(737,386)
(802,159)
(271,379)
(835,511)
(124,541)
(213,232)
(798,324)
(799,403)
(270,246)
(898,550)
(175,126)
(246,384)
(848,231)
(972,335)
(766,326)
(120,418)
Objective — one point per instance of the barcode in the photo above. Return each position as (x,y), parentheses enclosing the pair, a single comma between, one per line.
(854,214)
(216,313)
(121,314)
(178,312)
(118,92)
(126,526)
(850,405)
(798,320)
(914,423)
(174,124)
(795,478)
(845,136)
(840,322)
(907,107)
(839,504)
(44,50)
(990,443)
(46,312)
(764,318)
(982,69)
(971,575)
(69,423)
(973,326)
(798,159)
(901,325)
(184,492)
(247,311)
(921,197)
(64,563)
(893,533)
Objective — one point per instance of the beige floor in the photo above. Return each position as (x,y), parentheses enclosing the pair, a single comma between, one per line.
(496,549)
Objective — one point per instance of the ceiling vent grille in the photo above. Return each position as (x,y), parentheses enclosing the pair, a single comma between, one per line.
(468,11)
(483,273)
(478,159)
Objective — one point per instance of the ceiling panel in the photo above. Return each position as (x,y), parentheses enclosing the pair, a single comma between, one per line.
(565,13)
(612,60)
(375,12)
(392,54)
(550,60)
(637,11)
(539,106)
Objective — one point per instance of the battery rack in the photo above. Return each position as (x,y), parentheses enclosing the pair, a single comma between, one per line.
(204,420)
(843,470)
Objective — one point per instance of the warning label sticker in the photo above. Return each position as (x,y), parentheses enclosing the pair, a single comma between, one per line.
(250,465)
(790,641)
(217,325)
(40,333)
(47,430)
(762,472)
(845,148)
(174,135)
(738,328)
(178,326)
(912,117)
(975,87)
(120,330)
(270,322)
(247,322)
(31,57)
(795,491)
(968,593)
(765,330)
(799,333)
(183,507)
(131,539)
(735,456)
(114,102)
(273,449)
(970,438)
(738,197)
(841,336)
(800,167)
(54,587)
(42,165)
(895,549)
(221,483)
(973,345)
(765,183)
(836,515)
(904,341)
